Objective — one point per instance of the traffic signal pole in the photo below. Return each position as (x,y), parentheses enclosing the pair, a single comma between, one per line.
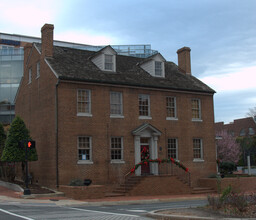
(26,190)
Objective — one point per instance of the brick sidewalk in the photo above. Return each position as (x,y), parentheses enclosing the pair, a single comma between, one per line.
(161,198)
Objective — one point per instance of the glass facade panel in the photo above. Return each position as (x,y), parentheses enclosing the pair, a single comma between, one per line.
(11,71)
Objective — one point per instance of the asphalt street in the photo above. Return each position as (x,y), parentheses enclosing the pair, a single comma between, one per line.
(38,211)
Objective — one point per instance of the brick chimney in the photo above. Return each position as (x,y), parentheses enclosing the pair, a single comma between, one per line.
(47,40)
(184,59)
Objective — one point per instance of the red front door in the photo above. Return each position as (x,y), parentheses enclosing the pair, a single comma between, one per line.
(144,152)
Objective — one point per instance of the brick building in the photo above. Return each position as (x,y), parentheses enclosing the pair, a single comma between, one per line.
(93,113)
(243,127)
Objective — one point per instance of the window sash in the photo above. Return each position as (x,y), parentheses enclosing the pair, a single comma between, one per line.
(109,62)
(158,68)
(84,148)
(116,105)
(171,107)
(116,148)
(173,148)
(197,149)
(144,105)
(84,101)
(196,108)
(38,69)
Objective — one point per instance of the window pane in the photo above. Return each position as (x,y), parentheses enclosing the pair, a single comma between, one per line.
(172,148)
(195,108)
(144,105)
(83,101)
(116,103)
(84,148)
(116,148)
(197,148)
(108,62)
(158,68)
(171,107)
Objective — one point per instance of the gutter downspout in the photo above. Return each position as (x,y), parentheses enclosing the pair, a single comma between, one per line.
(57,133)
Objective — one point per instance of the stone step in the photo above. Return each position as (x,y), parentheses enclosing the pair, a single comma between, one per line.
(114,194)
(203,190)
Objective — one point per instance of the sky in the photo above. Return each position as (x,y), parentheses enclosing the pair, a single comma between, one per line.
(221,35)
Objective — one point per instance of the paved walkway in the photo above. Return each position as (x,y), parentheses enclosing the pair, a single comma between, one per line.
(11,195)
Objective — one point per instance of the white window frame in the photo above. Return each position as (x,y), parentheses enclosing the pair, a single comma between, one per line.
(122,151)
(106,62)
(158,71)
(144,96)
(199,118)
(38,70)
(29,75)
(201,158)
(116,115)
(85,161)
(167,107)
(169,148)
(88,114)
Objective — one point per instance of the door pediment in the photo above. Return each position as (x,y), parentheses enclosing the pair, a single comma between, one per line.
(146,128)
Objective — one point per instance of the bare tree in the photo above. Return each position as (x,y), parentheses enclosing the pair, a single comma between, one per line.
(252,112)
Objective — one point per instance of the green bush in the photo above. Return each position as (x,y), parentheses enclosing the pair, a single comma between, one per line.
(227,167)
(12,152)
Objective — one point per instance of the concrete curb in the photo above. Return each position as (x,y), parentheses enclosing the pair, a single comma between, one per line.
(154,214)
(34,196)
(11,186)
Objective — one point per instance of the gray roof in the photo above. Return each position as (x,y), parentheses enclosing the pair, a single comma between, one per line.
(76,65)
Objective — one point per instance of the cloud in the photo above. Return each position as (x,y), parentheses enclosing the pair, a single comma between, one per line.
(27,16)
(243,79)
(83,37)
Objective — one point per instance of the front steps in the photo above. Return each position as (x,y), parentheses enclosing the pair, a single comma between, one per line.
(151,185)
(124,188)
(203,190)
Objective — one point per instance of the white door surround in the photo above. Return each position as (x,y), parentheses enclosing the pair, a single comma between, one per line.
(146,131)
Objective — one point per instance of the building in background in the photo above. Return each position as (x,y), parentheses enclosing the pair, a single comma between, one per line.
(12,58)
(242,127)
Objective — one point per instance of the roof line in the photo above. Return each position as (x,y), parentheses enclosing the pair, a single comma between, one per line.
(133,85)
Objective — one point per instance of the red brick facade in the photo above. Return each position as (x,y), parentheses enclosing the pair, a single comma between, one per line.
(48,106)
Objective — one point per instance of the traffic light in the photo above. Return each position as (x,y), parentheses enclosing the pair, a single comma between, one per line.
(27,144)
(30,144)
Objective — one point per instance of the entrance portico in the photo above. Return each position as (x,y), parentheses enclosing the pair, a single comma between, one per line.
(146,137)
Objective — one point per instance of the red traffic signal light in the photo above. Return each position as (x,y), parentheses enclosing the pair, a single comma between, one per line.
(27,144)
(30,144)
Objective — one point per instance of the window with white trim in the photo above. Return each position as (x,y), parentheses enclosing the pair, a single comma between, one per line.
(109,63)
(83,102)
(144,105)
(37,69)
(30,75)
(158,68)
(197,149)
(116,104)
(196,109)
(116,148)
(173,148)
(171,107)
(84,148)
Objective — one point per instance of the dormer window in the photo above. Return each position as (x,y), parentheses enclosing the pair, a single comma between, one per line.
(154,65)
(105,59)
(158,68)
(109,62)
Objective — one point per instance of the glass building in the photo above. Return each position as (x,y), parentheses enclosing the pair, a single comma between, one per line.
(11,71)
(11,65)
